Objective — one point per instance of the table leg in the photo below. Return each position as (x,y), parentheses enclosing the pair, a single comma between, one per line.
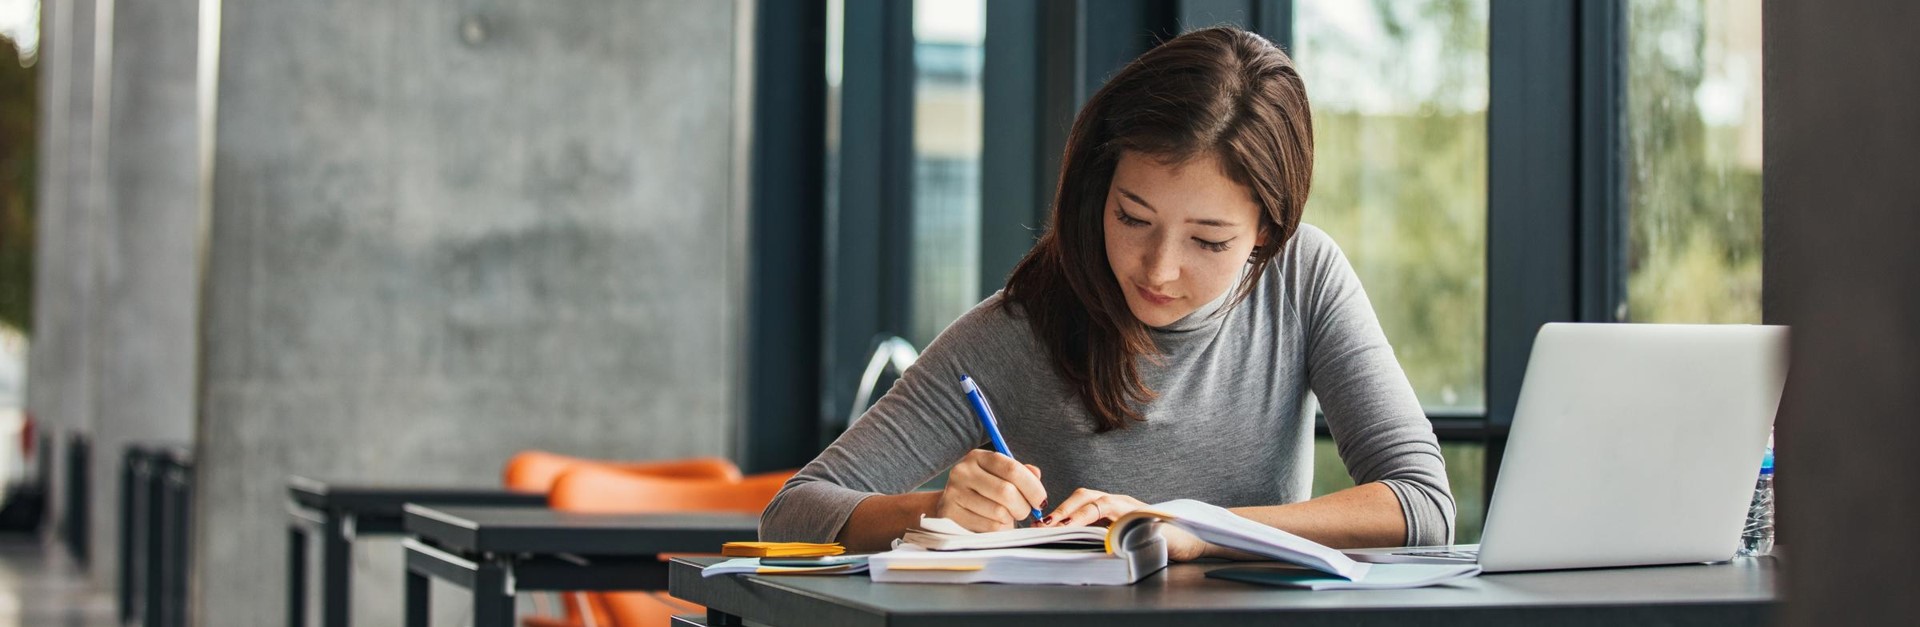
(296,575)
(492,601)
(336,569)
(418,589)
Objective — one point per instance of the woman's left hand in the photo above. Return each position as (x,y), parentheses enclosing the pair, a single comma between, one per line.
(1093,507)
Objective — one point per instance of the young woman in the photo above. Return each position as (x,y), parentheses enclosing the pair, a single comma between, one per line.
(1159,342)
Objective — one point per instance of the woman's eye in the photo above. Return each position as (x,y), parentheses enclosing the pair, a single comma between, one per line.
(1129,220)
(1218,247)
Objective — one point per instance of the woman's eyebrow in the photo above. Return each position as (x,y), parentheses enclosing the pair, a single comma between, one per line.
(1143,202)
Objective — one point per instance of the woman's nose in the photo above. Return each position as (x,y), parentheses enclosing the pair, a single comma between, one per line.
(1162,265)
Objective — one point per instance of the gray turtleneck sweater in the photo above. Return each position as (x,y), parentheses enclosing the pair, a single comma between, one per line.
(1232,426)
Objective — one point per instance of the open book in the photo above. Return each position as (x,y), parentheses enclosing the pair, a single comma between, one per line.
(1130,549)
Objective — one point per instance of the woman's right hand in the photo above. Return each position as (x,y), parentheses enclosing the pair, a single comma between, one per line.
(988,491)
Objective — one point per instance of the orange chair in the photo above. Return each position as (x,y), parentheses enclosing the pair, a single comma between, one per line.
(605,490)
(535,471)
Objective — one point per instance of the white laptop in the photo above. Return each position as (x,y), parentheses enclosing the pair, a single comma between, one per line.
(1632,444)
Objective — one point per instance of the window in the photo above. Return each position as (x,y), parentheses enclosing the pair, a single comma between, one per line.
(1693,161)
(945,257)
(1466,472)
(1399,93)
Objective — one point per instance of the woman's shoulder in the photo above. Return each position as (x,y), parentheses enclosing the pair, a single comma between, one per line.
(996,326)
(1310,269)
(1311,244)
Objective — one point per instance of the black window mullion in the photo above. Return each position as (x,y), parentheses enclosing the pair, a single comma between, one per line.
(1014,185)
(869,232)
(1556,218)
(1532,192)
(786,232)
(1603,211)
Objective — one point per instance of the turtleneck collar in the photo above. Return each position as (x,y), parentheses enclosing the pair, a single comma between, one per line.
(1210,314)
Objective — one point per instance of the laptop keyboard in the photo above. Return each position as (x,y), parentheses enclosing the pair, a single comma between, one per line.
(1452,555)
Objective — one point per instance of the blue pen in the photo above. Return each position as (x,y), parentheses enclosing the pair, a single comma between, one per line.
(992,424)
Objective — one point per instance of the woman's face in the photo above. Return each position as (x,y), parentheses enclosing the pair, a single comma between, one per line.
(1177,236)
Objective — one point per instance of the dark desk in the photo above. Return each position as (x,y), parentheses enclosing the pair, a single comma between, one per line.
(343,512)
(497,552)
(1740,593)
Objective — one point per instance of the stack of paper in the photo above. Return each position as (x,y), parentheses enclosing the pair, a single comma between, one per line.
(780,549)
(841,565)
(940,534)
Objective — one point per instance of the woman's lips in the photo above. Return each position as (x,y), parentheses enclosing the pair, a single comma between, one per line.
(1152,296)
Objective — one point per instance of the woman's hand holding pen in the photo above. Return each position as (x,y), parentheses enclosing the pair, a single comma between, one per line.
(988,491)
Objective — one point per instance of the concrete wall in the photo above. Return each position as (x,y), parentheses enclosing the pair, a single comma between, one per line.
(443,231)
(1842,267)
(146,235)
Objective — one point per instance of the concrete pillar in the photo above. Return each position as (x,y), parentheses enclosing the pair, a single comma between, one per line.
(1841,216)
(60,381)
(446,230)
(147,232)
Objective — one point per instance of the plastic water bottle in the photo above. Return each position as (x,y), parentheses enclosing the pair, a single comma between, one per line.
(1756,538)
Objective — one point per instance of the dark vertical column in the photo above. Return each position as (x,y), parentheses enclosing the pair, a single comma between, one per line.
(1015,187)
(336,572)
(129,513)
(418,599)
(1603,212)
(788,229)
(869,229)
(1533,146)
(153,548)
(79,454)
(1044,59)
(1842,267)
(296,574)
(492,605)
(1115,32)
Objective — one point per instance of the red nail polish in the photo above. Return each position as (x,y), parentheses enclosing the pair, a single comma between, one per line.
(1046,521)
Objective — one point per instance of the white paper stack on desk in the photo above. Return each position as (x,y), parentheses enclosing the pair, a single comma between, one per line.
(943,552)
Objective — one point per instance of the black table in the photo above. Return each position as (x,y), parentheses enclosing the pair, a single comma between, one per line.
(497,552)
(1739,593)
(343,512)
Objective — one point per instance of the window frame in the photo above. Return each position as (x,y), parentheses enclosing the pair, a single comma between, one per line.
(1556,215)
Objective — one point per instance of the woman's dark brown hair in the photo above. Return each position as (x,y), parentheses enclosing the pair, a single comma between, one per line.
(1220,92)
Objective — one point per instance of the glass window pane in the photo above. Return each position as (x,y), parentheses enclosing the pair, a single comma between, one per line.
(1466,472)
(1399,93)
(947,56)
(1693,161)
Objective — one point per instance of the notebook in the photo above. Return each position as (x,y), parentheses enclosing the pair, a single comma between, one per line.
(837,565)
(780,549)
(1123,553)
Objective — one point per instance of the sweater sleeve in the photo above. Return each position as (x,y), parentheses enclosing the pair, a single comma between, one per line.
(918,429)
(1378,425)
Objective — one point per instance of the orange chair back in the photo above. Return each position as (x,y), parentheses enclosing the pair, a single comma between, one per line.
(535,471)
(613,491)
(610,491)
